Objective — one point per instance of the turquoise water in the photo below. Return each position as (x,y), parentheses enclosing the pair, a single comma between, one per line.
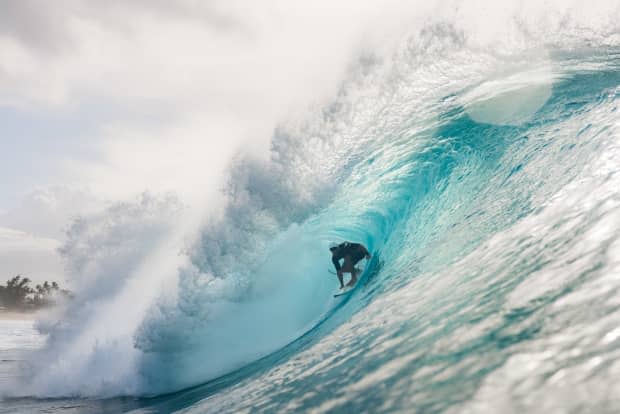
(496,281)
(490,201)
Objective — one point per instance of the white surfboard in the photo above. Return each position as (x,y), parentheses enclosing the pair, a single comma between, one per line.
(348,289)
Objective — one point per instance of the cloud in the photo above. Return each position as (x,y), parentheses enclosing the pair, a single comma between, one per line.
(29,23)
(47,212)
(43,26)
(192,52)
(33,257)
(173,88)
(33,231)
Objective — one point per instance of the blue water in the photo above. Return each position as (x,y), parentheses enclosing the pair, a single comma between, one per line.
(490,202)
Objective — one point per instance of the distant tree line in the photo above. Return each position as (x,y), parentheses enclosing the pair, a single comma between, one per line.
(17,294)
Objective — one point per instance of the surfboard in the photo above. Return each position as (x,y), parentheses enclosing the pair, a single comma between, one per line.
(347,289)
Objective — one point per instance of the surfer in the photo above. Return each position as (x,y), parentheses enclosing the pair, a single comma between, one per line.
(351,253)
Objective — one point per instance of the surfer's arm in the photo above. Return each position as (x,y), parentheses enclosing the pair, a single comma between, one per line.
(365,250)
(336,263)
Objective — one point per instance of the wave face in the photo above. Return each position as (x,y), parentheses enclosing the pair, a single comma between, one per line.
(498,252)
(484,181)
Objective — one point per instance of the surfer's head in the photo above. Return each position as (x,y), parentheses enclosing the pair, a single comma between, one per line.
(333,247)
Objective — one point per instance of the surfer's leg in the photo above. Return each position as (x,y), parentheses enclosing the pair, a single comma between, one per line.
(353,280)
(354,270)
(349,267)
(340,278)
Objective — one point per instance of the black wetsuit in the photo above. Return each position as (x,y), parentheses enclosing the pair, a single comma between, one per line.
(354,250)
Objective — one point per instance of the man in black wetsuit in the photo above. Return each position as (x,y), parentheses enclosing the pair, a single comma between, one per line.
(351,253)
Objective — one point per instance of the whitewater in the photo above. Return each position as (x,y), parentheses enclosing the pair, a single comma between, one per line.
(482,170)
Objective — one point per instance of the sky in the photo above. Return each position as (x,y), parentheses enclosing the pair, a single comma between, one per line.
(102,101)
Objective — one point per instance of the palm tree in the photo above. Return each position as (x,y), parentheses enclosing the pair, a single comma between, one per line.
(15,292)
